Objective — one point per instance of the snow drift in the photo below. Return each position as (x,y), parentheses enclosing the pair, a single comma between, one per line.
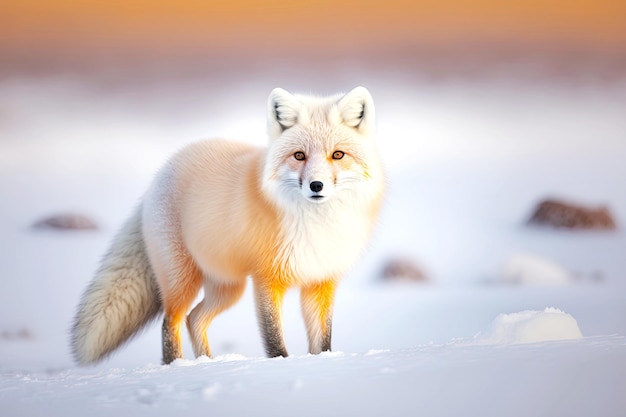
(530,327)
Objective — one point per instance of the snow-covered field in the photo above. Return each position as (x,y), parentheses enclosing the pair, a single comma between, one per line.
(467,161)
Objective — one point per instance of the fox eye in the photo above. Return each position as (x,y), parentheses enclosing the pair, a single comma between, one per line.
(299,156)
(338,155)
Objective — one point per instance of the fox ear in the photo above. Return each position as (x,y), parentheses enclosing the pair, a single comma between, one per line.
(283,110)
(357,110)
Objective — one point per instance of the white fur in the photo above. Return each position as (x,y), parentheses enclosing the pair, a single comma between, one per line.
(357,110)
(324,239)
(318,122)
(162,227)
(202,209)
(284,111)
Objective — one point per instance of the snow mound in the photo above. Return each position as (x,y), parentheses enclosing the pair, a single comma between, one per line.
(531,269)
(530,327)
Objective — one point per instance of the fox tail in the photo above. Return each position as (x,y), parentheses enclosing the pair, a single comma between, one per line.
(121,299)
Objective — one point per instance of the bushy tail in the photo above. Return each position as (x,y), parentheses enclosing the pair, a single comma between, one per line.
(122,298)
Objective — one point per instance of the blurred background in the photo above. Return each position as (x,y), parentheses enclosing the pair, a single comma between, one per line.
(461,37)
(485,109)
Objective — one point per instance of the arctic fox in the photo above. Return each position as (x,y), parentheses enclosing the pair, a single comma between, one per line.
(297,213)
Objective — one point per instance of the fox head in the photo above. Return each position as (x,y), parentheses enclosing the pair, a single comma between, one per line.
(321,149)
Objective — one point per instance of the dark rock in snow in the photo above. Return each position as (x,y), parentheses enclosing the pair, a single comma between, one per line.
(571,216)
(21,334)
(67,221)
(403,269)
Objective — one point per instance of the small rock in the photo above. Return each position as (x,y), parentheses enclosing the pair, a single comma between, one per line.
(21,334)
(67,221)
(403,269)
(560,214)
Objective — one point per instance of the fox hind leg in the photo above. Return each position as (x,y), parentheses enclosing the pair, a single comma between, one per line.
(317,308)
(172,347)
(179,297)
(217,298)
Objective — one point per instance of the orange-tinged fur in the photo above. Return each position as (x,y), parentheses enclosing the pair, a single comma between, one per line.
(295,214)
(317,303)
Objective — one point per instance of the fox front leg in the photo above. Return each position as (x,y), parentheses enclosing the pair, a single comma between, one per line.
(269,299)
(317,308)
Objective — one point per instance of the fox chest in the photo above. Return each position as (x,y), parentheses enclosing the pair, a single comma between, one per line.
(318,248)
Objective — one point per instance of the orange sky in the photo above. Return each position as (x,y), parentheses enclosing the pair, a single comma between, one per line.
(280,23)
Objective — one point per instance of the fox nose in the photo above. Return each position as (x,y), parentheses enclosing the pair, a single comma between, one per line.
(316,186)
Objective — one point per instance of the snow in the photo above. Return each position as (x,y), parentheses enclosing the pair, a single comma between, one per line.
(467,161)
(530,326)
(545,379)
(530,269)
